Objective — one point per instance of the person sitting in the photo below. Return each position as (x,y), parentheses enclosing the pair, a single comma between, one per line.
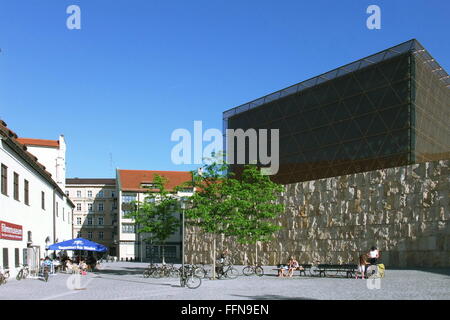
(282,270)
(373,254)
(69,266)
(293,265)
(362,266)
(83,266)
(56,265)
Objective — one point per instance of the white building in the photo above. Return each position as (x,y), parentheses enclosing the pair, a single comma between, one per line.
(34,210)
(132,185)
(52,154)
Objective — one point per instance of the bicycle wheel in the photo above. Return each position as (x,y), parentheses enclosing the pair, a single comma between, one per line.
(193,282)
(25,274)
(232,273)
(313,271)
(174,273)
(248,271)
(147,273)
(259,271)
(19,275)
(46,276)
(200,272)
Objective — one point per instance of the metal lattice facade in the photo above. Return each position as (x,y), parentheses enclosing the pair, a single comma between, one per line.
(386,110)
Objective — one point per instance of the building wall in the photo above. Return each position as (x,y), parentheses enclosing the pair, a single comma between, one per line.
(54,160)
(404,211)
(31,217)
(82,213)
(132,246)
(354,123)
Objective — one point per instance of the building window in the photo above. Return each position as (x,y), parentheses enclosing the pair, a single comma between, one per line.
(24,256)
(43,200)
(4,180)
(78,194)
(101,235)
(26,192)
(79,234)
(127,228)
(100,194)
(78,206)
(100,221)
(89,221)
(113,194)
(56,209)
(89,234)
(89,194)
(90,207)
(5,258)
(78,220)
(17,257)
(16,186)
(100,206)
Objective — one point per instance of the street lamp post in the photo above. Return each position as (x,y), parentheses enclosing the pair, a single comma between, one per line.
(183,207)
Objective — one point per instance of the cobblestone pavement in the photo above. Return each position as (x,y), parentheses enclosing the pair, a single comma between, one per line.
(123,280)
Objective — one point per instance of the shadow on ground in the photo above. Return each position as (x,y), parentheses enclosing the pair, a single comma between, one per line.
(272,297)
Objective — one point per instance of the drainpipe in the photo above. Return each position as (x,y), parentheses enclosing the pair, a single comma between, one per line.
(54,215)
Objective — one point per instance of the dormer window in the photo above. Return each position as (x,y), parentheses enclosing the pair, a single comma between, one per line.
(148,185)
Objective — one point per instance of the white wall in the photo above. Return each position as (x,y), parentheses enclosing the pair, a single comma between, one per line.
(31,217)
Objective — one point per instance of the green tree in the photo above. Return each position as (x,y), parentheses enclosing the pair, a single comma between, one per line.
(243,208)
(156,215)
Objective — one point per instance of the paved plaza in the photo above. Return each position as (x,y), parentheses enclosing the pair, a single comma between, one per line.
(124,281)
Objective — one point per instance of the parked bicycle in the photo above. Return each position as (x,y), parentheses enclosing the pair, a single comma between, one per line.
(23,272)
(227,272)
(4,275)
(253,269)
(188,278)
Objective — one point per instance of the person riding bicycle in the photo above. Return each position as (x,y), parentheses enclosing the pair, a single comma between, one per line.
(223,260)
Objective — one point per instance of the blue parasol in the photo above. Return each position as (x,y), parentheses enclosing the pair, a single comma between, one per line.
(78,244)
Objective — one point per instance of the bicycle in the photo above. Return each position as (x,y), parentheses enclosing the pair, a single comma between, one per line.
(4,275)
(227,271)
(253,269)
(150,269)
(201,270)
(23,272)
(189,279)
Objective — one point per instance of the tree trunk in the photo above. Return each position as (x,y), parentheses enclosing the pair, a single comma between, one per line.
(214,259)
(256,253)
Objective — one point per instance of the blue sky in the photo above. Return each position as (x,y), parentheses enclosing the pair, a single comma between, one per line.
(139,69)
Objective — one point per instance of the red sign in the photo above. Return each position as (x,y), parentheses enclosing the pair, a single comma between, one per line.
(10,231)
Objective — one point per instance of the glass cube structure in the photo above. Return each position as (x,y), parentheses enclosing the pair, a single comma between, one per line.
(386,110)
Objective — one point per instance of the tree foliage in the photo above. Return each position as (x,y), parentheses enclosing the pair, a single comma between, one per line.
(243,208)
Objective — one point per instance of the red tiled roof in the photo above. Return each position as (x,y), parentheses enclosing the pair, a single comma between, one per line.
(131,180)
(39,142)
(21,149)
